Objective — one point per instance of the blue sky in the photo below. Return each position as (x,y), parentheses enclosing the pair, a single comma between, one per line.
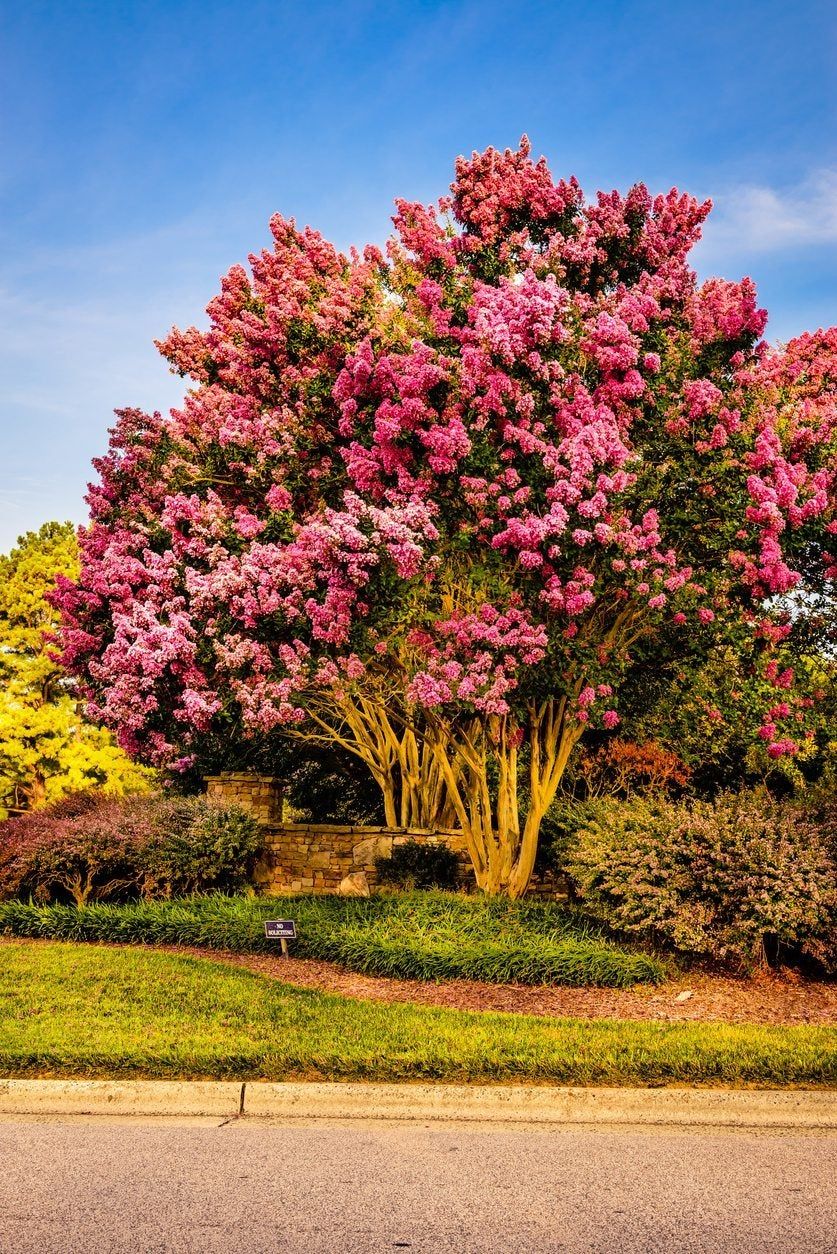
(143,147)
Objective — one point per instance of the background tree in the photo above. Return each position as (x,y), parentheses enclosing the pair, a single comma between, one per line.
(427,507)
(47,747)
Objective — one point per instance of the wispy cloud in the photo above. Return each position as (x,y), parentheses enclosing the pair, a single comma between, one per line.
(752,218)
(76,331)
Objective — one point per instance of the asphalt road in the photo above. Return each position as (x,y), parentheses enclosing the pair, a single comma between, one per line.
(91,1187)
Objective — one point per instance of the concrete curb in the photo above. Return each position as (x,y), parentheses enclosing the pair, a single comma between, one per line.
(425,1103)
(537,1104)
(221,1099)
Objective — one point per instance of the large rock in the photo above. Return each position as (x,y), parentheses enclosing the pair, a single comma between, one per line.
(354,885)
(366,851)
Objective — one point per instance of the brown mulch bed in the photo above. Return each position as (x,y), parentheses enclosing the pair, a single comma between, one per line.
(767,997)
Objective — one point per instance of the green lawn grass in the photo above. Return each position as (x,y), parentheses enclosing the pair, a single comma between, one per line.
(68,1009)
(428,936)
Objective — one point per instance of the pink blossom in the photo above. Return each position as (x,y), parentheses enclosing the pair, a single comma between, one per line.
(782,748)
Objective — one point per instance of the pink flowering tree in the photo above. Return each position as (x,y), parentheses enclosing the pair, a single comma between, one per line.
(427,505)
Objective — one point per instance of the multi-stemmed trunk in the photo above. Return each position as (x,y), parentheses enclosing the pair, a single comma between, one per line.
(483,765)
(493,778)
(399,754)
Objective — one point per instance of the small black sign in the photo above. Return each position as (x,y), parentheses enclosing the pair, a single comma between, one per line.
(280,929)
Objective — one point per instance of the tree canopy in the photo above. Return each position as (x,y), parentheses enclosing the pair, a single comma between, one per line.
(427,504)
(47,747)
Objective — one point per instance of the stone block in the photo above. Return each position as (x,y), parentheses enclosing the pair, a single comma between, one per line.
(260,795)
(366,851)
(354,885)
(318,856)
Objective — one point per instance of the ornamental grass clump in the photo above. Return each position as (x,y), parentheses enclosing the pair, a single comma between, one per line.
(741,879)
(423,935)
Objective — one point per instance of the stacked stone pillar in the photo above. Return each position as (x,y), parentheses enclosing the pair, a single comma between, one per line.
(260,795)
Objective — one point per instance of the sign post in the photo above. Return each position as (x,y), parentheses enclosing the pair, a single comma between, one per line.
(282,930)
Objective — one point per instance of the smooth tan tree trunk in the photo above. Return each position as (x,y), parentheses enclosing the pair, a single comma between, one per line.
(400,757)
(443,774)
(484,792)
(35,791)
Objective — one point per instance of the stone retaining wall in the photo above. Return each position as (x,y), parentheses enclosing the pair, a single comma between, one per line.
(317,857)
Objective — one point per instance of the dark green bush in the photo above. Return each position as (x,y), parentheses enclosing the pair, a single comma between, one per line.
(560,823)
(199,845)
(414,865)
(326,785)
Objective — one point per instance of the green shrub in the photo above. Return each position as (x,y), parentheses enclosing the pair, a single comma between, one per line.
(95,848)
(819,809)
(199,845)
(738,879)
(327,785)
(413,865)
(558,828)
(423,935)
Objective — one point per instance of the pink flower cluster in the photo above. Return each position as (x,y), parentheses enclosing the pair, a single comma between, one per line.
(477,660)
